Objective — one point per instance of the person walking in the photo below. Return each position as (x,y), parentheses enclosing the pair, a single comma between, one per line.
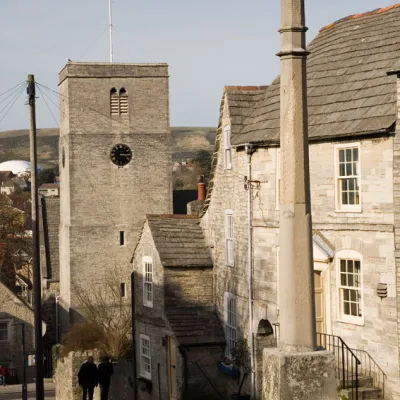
(88,378)
(3,374)
(105,372)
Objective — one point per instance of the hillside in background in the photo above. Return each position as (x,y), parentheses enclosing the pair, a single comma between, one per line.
(14,145)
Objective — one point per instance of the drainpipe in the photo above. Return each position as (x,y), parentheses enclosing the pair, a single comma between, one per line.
(57,324)
(249,152)
(133,333)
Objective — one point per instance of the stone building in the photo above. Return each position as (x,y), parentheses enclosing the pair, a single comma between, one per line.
(353,110)
(13,313)
(179,339)
(49,189)
(114,129)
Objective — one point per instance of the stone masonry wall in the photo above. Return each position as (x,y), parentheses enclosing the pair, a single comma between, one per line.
(15,311)
(188,287)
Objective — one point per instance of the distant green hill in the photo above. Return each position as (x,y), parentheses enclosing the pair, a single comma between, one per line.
(14,145)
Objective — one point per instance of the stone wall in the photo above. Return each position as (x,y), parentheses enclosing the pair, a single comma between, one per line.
(15,311)
(188,287)
(66,377)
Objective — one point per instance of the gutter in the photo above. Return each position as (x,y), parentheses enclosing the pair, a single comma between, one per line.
(249,152)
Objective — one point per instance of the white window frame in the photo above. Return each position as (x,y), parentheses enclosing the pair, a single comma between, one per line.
(230,323)
(8,322)
(278,179)
(341,316)
(339,207)
(143,356)
(278,253)
(227,147)
(229,238)
(148,282)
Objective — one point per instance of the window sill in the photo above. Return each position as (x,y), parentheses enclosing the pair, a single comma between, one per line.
(229,265)
(148,305)
(356,322)
(349,211)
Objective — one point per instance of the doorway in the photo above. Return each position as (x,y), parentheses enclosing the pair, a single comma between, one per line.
(172,368)
(320,303)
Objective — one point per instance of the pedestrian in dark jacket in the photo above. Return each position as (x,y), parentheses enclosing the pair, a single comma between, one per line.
(88,378)
(105,371)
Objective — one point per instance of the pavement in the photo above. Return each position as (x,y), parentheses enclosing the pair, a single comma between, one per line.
(14,392)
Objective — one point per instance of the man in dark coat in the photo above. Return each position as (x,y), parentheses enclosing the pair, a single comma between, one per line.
(105,372)
(88,378)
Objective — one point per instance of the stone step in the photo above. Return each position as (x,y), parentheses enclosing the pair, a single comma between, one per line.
(350,381)
(370,393)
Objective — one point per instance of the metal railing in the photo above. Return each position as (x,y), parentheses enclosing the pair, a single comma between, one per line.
(347,363)
(370,368)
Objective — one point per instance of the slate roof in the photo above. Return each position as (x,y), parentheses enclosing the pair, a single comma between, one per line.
(192,326)
(349,92)
(240,102)
(179,241)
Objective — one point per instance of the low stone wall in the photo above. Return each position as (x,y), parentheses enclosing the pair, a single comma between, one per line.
(66,377)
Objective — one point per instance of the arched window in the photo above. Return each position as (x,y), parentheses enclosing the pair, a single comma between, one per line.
(265,328)
(123,102)
(114,102)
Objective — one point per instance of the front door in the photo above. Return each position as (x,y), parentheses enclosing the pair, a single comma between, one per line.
(319,302)
(172,367)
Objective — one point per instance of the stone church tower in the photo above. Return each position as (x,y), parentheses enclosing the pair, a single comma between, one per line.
(114,169)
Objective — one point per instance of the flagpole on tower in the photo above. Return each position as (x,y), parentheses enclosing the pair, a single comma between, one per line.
(111,27)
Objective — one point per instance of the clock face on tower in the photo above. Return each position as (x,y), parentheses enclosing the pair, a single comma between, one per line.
(121,155)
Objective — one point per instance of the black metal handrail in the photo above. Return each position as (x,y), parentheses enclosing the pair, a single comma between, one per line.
(347,363)
(370,368)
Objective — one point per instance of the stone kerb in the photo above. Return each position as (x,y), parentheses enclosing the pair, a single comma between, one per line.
(66,376)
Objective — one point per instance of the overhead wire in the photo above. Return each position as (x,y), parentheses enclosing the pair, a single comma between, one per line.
(93,43)
(11,104)
(14,87)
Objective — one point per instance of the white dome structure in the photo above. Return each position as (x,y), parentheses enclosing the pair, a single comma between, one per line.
(16,166)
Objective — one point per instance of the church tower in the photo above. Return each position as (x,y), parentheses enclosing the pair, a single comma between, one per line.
(114,169)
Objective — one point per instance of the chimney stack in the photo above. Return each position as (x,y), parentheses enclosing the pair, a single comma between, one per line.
(201,189)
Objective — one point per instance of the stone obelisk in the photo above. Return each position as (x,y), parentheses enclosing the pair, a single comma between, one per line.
(296,370)
(297,315)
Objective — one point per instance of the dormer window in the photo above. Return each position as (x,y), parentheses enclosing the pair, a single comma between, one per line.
(118,102)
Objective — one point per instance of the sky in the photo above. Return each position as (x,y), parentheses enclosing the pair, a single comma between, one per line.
(208,44)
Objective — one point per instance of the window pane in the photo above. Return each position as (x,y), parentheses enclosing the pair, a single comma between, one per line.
(341,169)
(353,309)
(346,295)
(350,280)
(341,155)
(344,185)
(348,169)
(344,198)
(352,184)
(346,308)
(353,295)
(348,155)
(343,279)
(350,266)
(3,335)
(355,154)
(355,168)
(352,198)
(343,265)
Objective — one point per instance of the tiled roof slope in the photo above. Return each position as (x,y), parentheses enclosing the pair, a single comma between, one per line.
(179,241)
(192,325)
(240,102)
(349,92)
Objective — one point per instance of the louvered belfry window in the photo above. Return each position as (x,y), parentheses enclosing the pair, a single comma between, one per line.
(118,102)
(123,102)
(114,102)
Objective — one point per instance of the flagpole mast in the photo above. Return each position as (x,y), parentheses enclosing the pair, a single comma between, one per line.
(111,27)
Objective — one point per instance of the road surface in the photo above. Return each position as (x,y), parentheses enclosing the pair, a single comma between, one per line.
(14,392)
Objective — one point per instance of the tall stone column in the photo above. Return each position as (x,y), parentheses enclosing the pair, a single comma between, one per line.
(296,370)
(296,286)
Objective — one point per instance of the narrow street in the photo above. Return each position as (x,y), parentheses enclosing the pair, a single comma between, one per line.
(14,392)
